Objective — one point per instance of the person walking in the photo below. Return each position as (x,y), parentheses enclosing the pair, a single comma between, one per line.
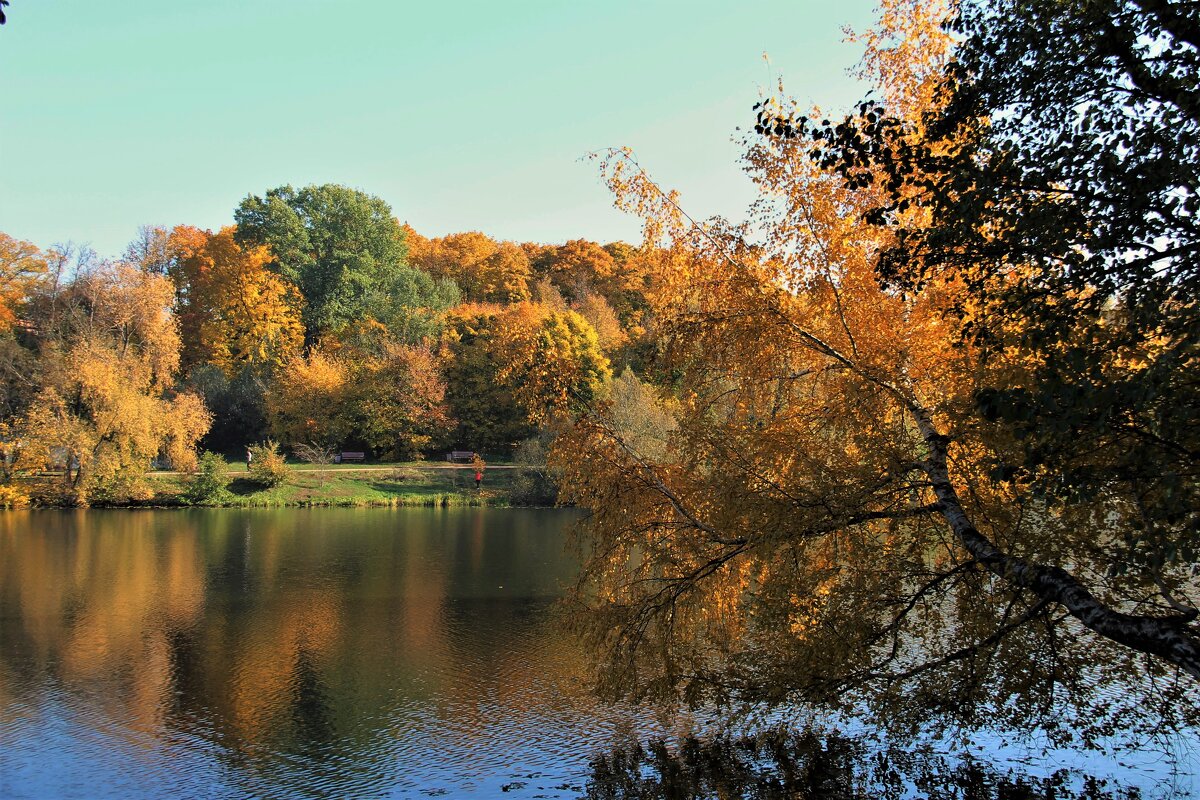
(249,458)
(478,476)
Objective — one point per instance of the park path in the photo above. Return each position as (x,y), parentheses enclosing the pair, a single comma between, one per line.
(340,468)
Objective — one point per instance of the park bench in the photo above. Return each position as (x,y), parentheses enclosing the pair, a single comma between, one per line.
(462,456)
(349,455)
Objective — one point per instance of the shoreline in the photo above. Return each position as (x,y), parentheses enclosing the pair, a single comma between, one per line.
(377,486)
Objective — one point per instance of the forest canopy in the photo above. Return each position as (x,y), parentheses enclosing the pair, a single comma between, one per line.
(318,320)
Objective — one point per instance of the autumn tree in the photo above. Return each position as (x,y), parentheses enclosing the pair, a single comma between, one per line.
(626,288)
(152,250)
(831,521)
(390,401)
(304,401)
(606,284)
(22,265)
(233,311)
(485,270)
(514,367)
(105,404)
(397,403)
(600,315)
(551,359)
(1062,144)
(641,415)
(575,266)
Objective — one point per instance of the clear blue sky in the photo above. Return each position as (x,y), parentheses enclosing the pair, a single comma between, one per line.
(462,116)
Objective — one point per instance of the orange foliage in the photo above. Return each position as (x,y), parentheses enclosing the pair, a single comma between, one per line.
(233,311)
(484,269)
(21,266)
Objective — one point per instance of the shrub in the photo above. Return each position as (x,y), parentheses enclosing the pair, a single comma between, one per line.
(267,465)
(535,484)
(209,482)
(13,496)
(533,487)
(313,453)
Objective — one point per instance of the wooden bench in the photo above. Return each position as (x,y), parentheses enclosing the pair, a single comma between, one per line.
(462,456)
(349,455)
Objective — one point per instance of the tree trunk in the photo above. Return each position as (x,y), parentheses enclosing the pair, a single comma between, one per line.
(1165,637)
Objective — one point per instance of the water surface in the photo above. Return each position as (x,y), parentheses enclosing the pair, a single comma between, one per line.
(291,653)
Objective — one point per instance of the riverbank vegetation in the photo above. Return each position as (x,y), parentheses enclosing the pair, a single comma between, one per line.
(411,484)
(317,321)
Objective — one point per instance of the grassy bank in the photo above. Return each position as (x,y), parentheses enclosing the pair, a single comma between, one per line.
(347,485)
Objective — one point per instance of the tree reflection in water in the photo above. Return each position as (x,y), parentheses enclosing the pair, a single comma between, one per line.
(790,766)
(339,652)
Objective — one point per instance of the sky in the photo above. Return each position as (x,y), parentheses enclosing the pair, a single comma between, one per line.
(461,115)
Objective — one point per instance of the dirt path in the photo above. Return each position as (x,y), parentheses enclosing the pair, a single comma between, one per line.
(340,468)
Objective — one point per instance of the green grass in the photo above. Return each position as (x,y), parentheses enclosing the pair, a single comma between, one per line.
(407,485)
(234,465)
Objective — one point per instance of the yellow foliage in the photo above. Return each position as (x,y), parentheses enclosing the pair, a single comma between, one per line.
(233,310)
(13,496)
(22,265)
(792,540)
(303,401)
(484,269)
(551,359)
(105,407)
(392,401)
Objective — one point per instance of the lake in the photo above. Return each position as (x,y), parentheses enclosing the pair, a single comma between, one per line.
(315,653)
(292,653)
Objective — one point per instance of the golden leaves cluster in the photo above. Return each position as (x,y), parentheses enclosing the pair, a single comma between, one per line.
(233,311)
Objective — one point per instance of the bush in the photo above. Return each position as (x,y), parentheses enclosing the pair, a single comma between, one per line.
(533,487)
(313,453)
(116,488)
(535,484)
(209,482)
(267,466)
(13,496)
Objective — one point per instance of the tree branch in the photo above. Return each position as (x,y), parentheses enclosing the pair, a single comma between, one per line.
(1164,637)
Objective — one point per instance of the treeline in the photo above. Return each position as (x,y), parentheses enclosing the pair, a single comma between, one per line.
(316,320)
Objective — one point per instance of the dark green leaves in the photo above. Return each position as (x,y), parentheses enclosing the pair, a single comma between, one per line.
(341,247)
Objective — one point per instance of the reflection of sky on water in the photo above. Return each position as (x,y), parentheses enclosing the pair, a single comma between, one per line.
(300,654)
(1164,768)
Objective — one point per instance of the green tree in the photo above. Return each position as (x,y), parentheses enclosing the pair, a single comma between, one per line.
(209,484)
(489,418)
(341,247)
(237,406)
